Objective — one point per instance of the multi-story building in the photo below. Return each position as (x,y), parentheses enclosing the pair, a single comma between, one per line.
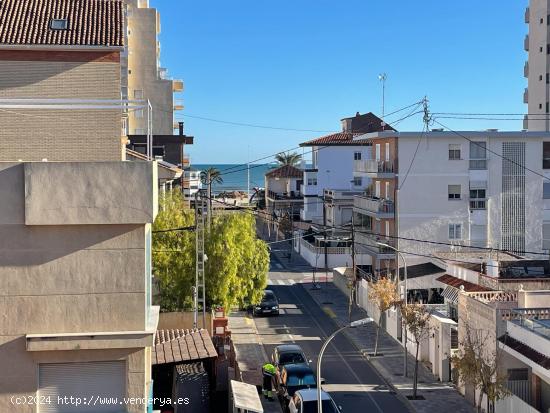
(75,251)
(470,189)
(283,191)
(143,75)
(536,70)
(192,182)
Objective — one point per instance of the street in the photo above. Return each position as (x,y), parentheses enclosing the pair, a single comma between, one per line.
(349,377)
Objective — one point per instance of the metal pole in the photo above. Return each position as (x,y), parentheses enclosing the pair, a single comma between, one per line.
(354,269)
(319,404)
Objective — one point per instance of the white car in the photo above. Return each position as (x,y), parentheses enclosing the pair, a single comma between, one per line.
(305,401)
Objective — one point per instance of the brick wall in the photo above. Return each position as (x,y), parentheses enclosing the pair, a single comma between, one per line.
(60,135)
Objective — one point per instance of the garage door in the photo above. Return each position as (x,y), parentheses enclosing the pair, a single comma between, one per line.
(99,385)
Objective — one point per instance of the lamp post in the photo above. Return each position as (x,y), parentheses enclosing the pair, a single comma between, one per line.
(405,297)
(382,77)
(353,324)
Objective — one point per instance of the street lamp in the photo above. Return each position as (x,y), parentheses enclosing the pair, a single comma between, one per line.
(405,296)
(382,78)
(353,324)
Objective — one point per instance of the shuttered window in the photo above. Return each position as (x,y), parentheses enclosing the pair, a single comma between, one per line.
(95,382)
(546,236)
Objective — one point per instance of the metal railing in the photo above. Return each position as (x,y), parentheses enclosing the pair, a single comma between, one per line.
(284,195)
(374,166)
(321,250)
(531,319)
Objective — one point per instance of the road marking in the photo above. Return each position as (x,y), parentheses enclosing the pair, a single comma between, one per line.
(308,312)
(291,282)
(328,311)
(281,282)
(270,281)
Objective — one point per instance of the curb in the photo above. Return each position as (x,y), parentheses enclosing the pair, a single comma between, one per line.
(389,384)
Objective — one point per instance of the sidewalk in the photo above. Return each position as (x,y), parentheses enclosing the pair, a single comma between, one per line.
(250,354)
(439,397)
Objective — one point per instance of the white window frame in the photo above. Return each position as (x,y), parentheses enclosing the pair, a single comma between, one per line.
(387,154)
(455,231)
(451,196)
(357,181)
(377,151)
(357,156)
(454,150)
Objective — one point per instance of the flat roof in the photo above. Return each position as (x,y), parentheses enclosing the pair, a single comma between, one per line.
(446,134)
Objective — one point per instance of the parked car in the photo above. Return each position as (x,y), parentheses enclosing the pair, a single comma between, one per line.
(268,305)
(305,401)
(288,354)
(294,377)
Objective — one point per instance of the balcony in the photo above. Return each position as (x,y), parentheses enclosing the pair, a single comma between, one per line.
(186,161)
(526,70)
(177,86)
(341,194)
(285,196)
(375,168)
(526,96)
(527,15)
(178,104)
(368,242)
(526,43)
(375,207)
(536,320)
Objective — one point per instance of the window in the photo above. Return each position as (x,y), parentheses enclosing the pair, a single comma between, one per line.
(357,156)
(312,181)
(546,190)
(478,155)
(548,49)
(141,148)
(540,106)
(540,77)
(547,107)
(455,231)
(477,199)
(454,152)
(58,24)
(357,181)
(541,20)
(387,154)
(454,191)
(546,155)
(547,78)
(377,151)
(138,94)
(158,151)
(546,235)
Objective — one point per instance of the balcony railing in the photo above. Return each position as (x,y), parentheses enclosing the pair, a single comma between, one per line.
(321,250)
(369,241)
(373,204)
(478,164)
(527,15)
(374,166)
(526,69)
(284,195)
(536,320)
(526,43)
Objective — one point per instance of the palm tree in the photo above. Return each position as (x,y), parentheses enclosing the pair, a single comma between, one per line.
(292,159)
(208,177)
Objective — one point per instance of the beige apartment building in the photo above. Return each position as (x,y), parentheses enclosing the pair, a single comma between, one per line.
(75,244)
(142,75)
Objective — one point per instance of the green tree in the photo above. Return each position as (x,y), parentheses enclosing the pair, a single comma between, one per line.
(174,253)
(292,159)
(208,177)
(237,264)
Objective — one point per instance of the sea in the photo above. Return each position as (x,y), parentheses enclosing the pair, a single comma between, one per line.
(235,176)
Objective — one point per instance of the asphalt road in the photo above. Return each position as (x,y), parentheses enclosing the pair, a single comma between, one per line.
(349,378)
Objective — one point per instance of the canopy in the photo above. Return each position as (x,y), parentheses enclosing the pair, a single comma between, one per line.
(245,397)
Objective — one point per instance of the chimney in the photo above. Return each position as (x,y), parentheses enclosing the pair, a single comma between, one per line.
(357,114)
(181,128)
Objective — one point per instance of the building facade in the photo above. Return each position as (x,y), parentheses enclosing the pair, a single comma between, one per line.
(470,189)
(143,76)
(536,70)
(75,255)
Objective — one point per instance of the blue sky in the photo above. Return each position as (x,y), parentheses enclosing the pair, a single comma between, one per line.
(305,64)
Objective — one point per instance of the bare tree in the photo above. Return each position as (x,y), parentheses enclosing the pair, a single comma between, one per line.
(478,363)
(385,296)
(416,318)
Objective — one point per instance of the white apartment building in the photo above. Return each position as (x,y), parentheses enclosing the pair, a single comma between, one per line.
(536,70)
(481,189)
(192,182)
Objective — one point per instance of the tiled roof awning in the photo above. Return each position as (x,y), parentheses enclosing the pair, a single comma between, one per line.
(525,350)
(88,22)
(177,346)
(286,171)
(457,283)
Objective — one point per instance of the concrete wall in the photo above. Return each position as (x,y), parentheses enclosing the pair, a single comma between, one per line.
(533,299)
(58,135)
(61,277)
(341,277)
(335,167)
(317,259)
(181,320)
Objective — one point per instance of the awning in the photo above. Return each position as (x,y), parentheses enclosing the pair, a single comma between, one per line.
(245,397)
(451,294)
(177,346)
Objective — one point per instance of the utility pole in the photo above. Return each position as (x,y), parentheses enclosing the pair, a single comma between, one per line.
(354,269)
(325,234)
(199,293)
(427,117)
(209,213)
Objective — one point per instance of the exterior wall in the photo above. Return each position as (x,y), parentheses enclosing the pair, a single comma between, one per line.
(336,167)
(143,62)
(427,217)
(533,299)
(76,276)
(84,135)
(538,95)
(337,257)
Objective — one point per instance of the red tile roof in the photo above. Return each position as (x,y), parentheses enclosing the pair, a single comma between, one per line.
(89,22)
(341,138)
(285,171)
(525,350)
(457,282)
(176,346)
